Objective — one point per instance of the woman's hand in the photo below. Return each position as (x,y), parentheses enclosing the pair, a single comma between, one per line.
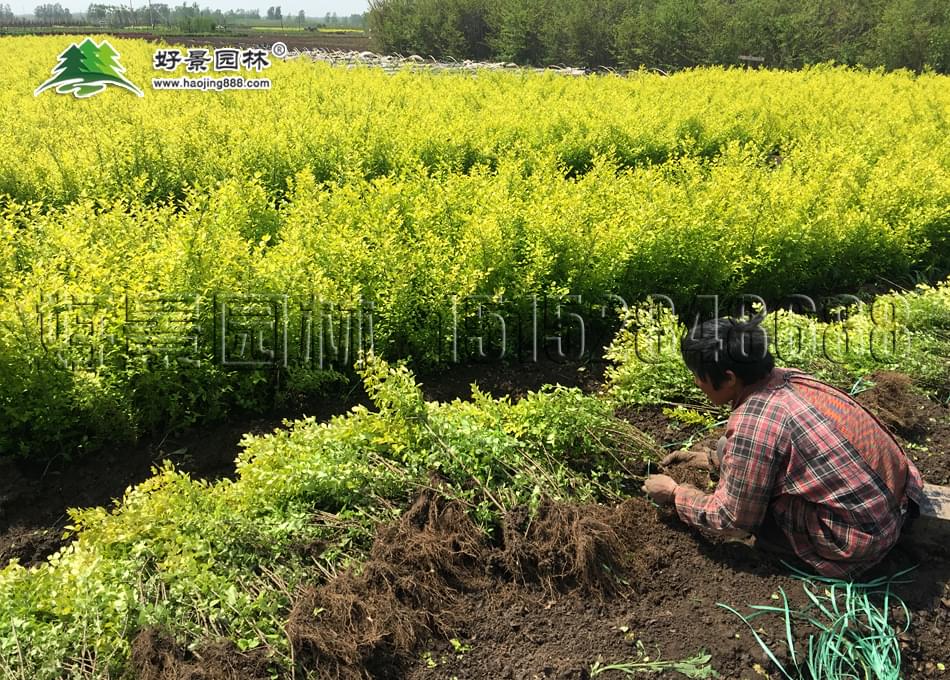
(702,457)
(660,488)
(695,458)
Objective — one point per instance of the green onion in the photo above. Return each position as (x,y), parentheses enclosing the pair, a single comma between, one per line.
(854,638)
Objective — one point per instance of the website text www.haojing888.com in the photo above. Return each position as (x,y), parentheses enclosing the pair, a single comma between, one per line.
(208,83)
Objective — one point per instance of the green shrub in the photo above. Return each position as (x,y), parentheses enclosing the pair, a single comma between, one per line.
(900,331)
(223,559)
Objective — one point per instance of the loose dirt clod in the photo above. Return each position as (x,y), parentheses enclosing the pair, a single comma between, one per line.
(156,656)
(683,474)
(894,402)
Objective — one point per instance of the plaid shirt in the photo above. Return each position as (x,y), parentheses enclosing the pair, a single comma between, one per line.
(833,478)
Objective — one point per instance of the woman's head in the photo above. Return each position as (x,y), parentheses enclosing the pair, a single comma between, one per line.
(726,355)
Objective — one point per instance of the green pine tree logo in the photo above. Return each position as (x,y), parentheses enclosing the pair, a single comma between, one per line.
(86,69)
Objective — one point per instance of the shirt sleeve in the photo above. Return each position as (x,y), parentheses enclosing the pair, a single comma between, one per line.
(756,449)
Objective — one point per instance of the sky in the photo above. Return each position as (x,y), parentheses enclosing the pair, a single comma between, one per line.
(316,8)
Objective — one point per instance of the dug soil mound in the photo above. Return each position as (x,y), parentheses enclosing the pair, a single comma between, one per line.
(549,595)
(434,576)
(921,424)
(420,569)
(896,404)
(663,604)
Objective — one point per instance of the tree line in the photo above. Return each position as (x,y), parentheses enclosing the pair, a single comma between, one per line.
(122,16)
(188,18)
(912,34)
(185,17)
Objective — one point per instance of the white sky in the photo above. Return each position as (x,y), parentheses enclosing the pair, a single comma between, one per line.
(316,8)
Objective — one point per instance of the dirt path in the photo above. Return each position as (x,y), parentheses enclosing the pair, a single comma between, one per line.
(299,40)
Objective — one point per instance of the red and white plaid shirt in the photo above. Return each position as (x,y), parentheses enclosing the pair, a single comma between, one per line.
(833,478)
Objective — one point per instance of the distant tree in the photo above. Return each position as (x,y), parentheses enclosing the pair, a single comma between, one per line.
(911,34)
(914,34)
(277,14)
(331,19)
(6,13)
(51,13)
(97,14)
(521,28)
(301,18)
(161,12)
(244,13)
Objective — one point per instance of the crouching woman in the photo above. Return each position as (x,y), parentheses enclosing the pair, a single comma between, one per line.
(803,467)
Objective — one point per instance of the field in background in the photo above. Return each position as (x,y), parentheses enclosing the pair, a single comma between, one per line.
(408,192)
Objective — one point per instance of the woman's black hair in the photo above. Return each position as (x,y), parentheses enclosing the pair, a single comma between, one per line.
(726,344)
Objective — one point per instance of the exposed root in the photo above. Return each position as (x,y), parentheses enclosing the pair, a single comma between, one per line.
(564,545)
(367,624)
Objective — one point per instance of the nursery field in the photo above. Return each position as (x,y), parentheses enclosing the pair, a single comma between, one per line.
(140,232)
(352,248)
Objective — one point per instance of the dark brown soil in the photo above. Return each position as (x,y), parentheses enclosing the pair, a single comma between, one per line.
(670,434)
(514,380)
(436,600)
(517,632)
(683,474)
(30,546)
(433,577)
(156,656)
(407,591)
